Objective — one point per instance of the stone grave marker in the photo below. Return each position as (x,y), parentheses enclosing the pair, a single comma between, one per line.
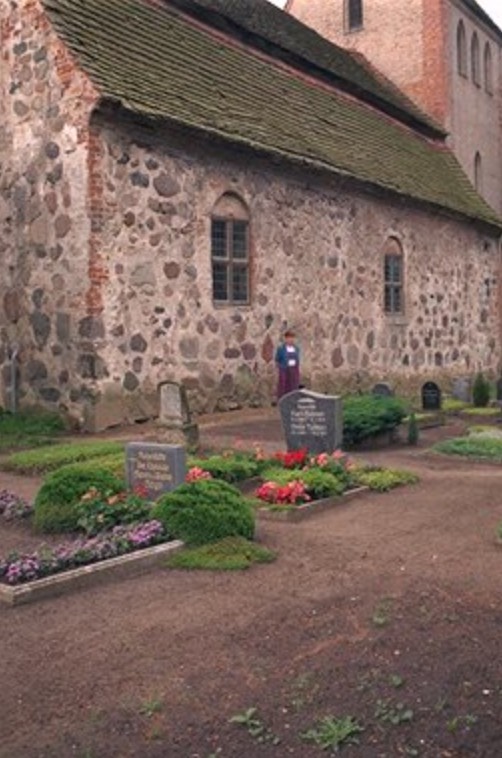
(175,419)
(462,389)
(311,420)
(431,397)
(157,468)
(382,389)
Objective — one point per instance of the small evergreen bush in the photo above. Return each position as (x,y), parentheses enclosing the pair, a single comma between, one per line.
(480,391)
(56,507)
(234,468)
(413,432)
(205,511)
(365,416)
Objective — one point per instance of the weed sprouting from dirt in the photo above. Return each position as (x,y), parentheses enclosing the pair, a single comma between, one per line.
(382,612)
(255,726)
(332,733)
(149,707)
(388,712)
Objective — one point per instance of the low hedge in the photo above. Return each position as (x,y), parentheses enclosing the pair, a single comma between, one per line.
(56,507)
(365,416)
(52,457)
(205,511)
(234,468)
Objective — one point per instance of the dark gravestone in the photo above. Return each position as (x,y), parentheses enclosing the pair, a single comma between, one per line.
(431,397)
(312,421)
(156,468)
(462,389)
(382,389)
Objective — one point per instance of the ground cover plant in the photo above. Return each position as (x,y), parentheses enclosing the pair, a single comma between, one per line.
(383,480)
(229,554)
(205,511)
(28,428)
(51,457)
(476,446)
(365,416)
(20,568)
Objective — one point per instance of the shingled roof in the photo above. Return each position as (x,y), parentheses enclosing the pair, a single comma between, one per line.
(264,26)
(160,65)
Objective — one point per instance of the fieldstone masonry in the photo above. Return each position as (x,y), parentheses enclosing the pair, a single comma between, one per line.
(106,266)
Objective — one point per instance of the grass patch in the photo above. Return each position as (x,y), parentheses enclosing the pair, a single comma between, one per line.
(383,480)
(230,554)
(28,428)
(488,448)
(478,411)
(52,457)
(452,405)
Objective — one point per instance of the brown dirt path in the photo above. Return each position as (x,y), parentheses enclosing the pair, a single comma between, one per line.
(403,585)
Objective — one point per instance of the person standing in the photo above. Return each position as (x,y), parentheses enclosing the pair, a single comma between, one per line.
(287,359)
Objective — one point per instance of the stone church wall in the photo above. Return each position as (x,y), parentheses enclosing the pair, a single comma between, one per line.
(44,225)
(317,266)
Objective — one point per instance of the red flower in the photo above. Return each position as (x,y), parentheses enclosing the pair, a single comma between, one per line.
(293,458)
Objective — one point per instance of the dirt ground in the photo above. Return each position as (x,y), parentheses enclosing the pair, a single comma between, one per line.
(387,601)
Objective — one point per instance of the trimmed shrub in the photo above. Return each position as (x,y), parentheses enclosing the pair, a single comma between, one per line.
(57,502)
(480,391)
(205,511)
(365,416)
(234,468)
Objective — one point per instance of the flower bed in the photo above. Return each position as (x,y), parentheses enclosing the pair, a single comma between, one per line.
(16,569)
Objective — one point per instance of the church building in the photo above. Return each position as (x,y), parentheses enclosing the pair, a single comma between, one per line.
(181,180)
(445,54)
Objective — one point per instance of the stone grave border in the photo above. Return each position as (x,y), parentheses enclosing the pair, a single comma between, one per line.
(296,513)
(123,566)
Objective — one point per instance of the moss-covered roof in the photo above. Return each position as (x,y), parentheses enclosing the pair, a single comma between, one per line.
(263,25)
(160,65)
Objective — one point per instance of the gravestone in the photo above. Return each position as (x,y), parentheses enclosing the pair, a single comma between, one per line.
(382,389)
(175,422)
(156,468)
(312,421)
(462,389)
(431,397)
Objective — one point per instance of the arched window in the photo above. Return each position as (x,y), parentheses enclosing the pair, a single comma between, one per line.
(488,66)
(478,172)
(461,49)
(475,60)
(230,250)
(354,14)
(393,276)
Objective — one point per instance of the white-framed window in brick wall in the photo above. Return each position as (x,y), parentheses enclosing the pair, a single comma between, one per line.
(230,251)
(461,50)
(354,15)
(475,60)
(488,69)
(393,270)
